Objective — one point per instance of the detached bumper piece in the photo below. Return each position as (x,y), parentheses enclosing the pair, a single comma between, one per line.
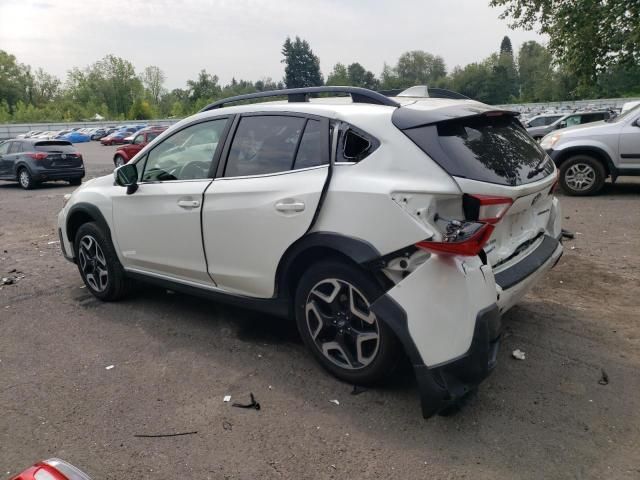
(445,385)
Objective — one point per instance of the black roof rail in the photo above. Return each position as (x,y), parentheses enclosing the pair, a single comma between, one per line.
(358,95)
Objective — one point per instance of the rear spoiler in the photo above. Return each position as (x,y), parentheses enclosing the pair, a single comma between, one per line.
(407,117)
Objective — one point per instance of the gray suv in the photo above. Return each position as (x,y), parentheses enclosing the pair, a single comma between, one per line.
(578,118)
(587,154)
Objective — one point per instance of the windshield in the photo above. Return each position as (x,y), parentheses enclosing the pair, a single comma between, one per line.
(625,115)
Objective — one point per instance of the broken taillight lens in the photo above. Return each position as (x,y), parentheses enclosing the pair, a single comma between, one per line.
(462,238)
(485,208)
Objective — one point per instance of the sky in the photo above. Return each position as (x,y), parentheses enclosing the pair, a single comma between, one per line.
(243,38)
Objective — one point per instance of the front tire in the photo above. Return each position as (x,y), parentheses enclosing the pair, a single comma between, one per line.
(582,175)
(119,161)
(332,307)
(98,263)
(75,182)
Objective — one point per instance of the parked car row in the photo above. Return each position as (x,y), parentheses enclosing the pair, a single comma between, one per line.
(79,134)
(541,125)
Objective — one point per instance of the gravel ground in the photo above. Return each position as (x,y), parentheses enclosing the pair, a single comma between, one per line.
(174,357)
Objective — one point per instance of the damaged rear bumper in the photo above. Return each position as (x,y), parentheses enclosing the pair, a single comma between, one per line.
(446,317)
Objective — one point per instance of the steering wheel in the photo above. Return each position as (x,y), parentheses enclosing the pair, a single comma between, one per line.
(194,170)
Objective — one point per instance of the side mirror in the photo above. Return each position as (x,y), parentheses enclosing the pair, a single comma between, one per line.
(127,176)
(561,125)
(637,123)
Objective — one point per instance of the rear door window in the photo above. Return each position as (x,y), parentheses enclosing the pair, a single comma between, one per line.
(312,148)
(493,149)
(264,144)
(15,147)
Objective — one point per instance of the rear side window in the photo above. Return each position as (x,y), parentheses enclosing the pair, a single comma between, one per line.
(489,149)
(264,144)
(593,117)
(354,145)
(15,147)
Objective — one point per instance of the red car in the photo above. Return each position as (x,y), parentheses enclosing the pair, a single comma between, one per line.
(142,138)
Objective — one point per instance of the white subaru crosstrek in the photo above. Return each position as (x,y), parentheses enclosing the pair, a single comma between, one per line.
(386,227)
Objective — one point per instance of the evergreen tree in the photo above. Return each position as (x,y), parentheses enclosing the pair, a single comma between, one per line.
(505,46)
(302,67)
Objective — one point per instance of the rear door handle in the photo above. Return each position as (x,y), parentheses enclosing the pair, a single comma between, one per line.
(290,207)
(188,203)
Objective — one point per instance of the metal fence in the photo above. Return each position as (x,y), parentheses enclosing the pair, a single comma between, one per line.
(11,130)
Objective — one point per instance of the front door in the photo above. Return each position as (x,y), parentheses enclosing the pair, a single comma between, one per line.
(264,199)
(157,228)
(630,143)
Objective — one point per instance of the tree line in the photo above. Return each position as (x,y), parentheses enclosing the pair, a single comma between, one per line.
(565,69)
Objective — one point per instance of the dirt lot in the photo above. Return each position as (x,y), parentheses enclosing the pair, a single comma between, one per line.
(175,357)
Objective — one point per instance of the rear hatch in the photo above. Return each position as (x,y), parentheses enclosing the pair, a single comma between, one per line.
(60,154)
(489,154)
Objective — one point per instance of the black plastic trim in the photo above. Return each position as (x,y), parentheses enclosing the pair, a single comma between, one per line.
(630,155)
(532,262)
(64,251)
(93,212)
(358,95)
(407,117)
(272,306)
(559,156)
(443,385)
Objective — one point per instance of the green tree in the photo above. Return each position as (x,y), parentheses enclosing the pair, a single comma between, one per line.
(141,110)
(13,80)
(5,113)
(153,80)
(302,66)
(204,88)
(587,36)
(419,68)
(506,47)
(46,87)
(536,72)
(339,75)
(361,77)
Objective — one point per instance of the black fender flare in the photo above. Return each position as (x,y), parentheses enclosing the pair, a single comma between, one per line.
(358,250)
(83,210)
(18,165)
(559,156)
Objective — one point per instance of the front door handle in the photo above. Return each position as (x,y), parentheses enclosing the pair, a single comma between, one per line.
(290,207)
(188,203)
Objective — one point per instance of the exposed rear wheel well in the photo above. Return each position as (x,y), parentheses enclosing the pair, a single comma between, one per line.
(599,156)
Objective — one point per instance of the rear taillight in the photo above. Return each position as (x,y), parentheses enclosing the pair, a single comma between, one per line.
(38,155)
(462,238)
(485,208)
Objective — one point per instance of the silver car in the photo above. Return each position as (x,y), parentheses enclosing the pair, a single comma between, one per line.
(587,154)
(578,118)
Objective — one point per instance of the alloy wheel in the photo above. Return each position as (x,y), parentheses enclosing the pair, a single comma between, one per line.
(24,179)
(119,161)
(342,324)
(580,177)
(93,264)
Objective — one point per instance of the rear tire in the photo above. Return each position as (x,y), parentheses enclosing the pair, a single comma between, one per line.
(25,179)
(333,316)
(582,175)
(98,263)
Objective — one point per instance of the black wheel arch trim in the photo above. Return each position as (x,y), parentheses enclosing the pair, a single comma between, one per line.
(560,156)
(89,210)
(358,250)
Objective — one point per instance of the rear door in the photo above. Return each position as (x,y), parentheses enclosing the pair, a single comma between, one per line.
(157,228)
(264,198)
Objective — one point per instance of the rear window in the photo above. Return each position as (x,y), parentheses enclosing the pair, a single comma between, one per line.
(494,149)
(55,146)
